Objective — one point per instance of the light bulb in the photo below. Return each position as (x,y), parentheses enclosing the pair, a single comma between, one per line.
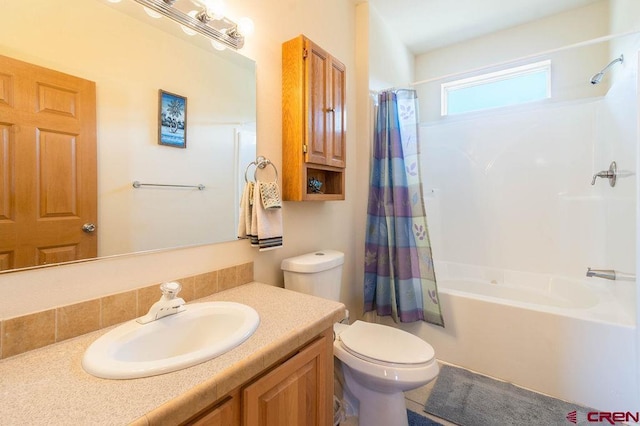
(217,45)
(245,26)
(189,31)
(152,13)
(215,8)
(114,1)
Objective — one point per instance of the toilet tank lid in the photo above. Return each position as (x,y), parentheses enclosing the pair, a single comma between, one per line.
(317,261)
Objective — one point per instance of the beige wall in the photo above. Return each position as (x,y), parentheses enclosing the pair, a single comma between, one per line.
(391,64)
(570,68)
(624,17)
(307,226)
(548,33)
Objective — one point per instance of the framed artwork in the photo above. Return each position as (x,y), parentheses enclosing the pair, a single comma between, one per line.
(172,119)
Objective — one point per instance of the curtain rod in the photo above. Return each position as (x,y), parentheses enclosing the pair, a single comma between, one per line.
(391,89)
(522,58)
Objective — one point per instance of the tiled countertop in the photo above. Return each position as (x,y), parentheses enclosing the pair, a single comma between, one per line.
(49,387)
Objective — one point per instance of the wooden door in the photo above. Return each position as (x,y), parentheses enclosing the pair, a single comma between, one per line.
(48,181)
(297,393)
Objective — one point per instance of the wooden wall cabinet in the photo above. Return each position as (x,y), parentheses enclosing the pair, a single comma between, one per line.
(313,121)
(297,392)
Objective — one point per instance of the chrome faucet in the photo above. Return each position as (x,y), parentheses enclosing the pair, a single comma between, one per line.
(607,274)
(168,304)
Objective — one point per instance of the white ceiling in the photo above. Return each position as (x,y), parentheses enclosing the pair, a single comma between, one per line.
(425,25)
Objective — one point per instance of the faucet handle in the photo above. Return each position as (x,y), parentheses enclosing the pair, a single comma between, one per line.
(610,174)
(171,289)
(603,174)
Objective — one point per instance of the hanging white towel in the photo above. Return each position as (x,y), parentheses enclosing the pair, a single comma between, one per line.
(246,204)
(253,229)
(266,224)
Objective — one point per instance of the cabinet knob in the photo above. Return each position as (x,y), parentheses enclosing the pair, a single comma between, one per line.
(331,110)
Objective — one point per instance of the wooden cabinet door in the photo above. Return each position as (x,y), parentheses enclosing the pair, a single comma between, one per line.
(48,179)
(226,413)
(296,393)
(318,94)
(325,107)
(338,115)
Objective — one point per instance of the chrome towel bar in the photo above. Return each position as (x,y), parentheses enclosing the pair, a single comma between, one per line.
(137,184)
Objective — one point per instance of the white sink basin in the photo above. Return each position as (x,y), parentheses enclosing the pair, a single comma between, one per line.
(202,332)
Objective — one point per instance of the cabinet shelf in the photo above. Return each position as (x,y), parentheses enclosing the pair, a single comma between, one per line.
(332,180)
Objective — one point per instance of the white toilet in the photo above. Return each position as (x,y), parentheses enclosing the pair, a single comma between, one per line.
(379,362)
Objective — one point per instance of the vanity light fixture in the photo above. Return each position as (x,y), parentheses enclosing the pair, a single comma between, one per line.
(208,21)
(152,13)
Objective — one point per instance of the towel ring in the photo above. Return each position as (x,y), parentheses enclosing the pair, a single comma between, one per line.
(247,170)
(261,163)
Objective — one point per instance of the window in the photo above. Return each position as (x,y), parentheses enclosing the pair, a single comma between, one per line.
(512,86)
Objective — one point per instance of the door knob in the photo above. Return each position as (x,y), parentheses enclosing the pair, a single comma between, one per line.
(88,228)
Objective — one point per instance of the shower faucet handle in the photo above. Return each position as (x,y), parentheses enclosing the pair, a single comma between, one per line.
(602,174)
(609,174)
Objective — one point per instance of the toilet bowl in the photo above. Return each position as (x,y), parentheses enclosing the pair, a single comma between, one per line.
(378,362)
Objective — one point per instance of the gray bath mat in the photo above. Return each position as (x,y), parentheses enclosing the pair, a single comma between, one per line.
(416,419)
(469,399)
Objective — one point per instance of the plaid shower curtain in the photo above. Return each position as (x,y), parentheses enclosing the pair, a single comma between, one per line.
(399,276)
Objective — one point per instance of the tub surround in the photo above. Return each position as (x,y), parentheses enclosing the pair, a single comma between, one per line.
(569,340)
(49,386)
(26,332)
(590,299)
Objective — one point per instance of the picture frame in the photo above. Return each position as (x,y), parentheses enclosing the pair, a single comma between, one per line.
(172,119)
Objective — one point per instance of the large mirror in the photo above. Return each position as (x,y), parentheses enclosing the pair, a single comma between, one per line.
(131,57)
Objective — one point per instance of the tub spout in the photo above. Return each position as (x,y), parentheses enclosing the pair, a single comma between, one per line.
(607,274)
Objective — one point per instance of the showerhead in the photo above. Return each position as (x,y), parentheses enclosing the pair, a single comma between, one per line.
(597,78)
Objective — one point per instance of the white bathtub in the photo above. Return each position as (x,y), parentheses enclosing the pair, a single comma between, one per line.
(564,294)
(590,299)
(571,339)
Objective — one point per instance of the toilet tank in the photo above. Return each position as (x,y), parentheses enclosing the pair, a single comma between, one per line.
(318,273)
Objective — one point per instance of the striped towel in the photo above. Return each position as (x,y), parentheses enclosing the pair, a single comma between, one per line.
(266,224)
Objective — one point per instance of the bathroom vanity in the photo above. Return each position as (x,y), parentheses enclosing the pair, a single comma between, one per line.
(287,362)
(301,383)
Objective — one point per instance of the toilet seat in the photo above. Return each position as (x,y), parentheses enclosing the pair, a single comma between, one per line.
(385,345)
(384,375)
